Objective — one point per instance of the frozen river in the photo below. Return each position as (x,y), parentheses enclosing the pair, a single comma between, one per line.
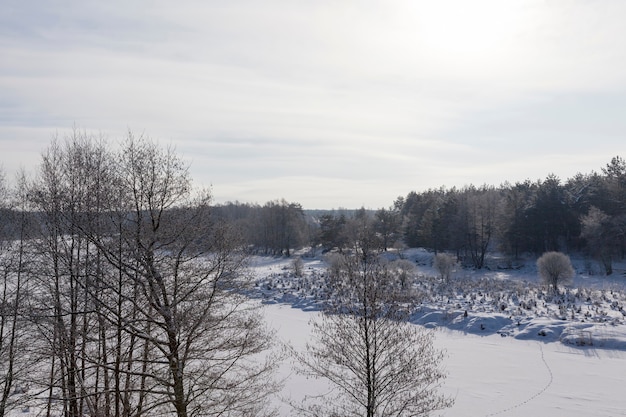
(494,375)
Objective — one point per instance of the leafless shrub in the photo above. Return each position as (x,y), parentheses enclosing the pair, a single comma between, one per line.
(298,266)
(555,268)
(444,264)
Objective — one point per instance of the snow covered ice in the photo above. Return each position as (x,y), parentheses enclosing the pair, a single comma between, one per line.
(546,369)
(493,375)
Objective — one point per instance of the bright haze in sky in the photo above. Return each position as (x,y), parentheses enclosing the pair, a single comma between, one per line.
(325,103)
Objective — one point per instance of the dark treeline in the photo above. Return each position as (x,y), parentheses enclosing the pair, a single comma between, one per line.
(585,214)
(272,229)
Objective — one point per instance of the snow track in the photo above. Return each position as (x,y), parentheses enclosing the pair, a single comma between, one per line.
(544,389)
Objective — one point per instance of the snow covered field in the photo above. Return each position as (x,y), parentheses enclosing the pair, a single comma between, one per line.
(493,375)
(517,353)
(544,361)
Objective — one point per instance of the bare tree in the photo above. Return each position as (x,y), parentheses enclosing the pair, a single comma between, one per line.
(480,220)
(64,307)
(298,266)
(184,274)
(14,361)
(282,227)
(600,235)
(361,234)
(379,363)
(444,264)
(404,271)
(140,291)
(555,268)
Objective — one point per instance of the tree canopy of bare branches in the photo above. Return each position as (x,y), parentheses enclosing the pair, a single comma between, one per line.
(140,290)
(555,268)
(378,363)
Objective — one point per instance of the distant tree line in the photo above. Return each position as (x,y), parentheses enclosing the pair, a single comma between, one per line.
(586,213)
(279,227)
(275,228)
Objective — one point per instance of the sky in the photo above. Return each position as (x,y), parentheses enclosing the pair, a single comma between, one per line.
(330,104)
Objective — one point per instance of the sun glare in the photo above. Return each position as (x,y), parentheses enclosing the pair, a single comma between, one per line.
(469,32)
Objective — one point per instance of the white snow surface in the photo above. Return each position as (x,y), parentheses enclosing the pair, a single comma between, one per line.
(520,351)
(490,375)
(564,356)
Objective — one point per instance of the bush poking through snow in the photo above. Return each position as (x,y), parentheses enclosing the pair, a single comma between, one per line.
(405,272)
(444,264)
(298,266)
(555,268)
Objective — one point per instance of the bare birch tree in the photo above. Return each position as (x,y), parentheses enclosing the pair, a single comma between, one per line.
(66,195)
(378,363)
(140,293)
(14,328)
(186,273)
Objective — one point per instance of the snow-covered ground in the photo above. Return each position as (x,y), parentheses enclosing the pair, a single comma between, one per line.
(519,351)
(510,302)
(492,375)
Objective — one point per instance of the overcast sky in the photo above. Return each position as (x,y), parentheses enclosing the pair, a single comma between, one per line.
(326,103)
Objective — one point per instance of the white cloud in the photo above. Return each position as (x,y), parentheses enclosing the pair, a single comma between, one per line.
(351,100)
